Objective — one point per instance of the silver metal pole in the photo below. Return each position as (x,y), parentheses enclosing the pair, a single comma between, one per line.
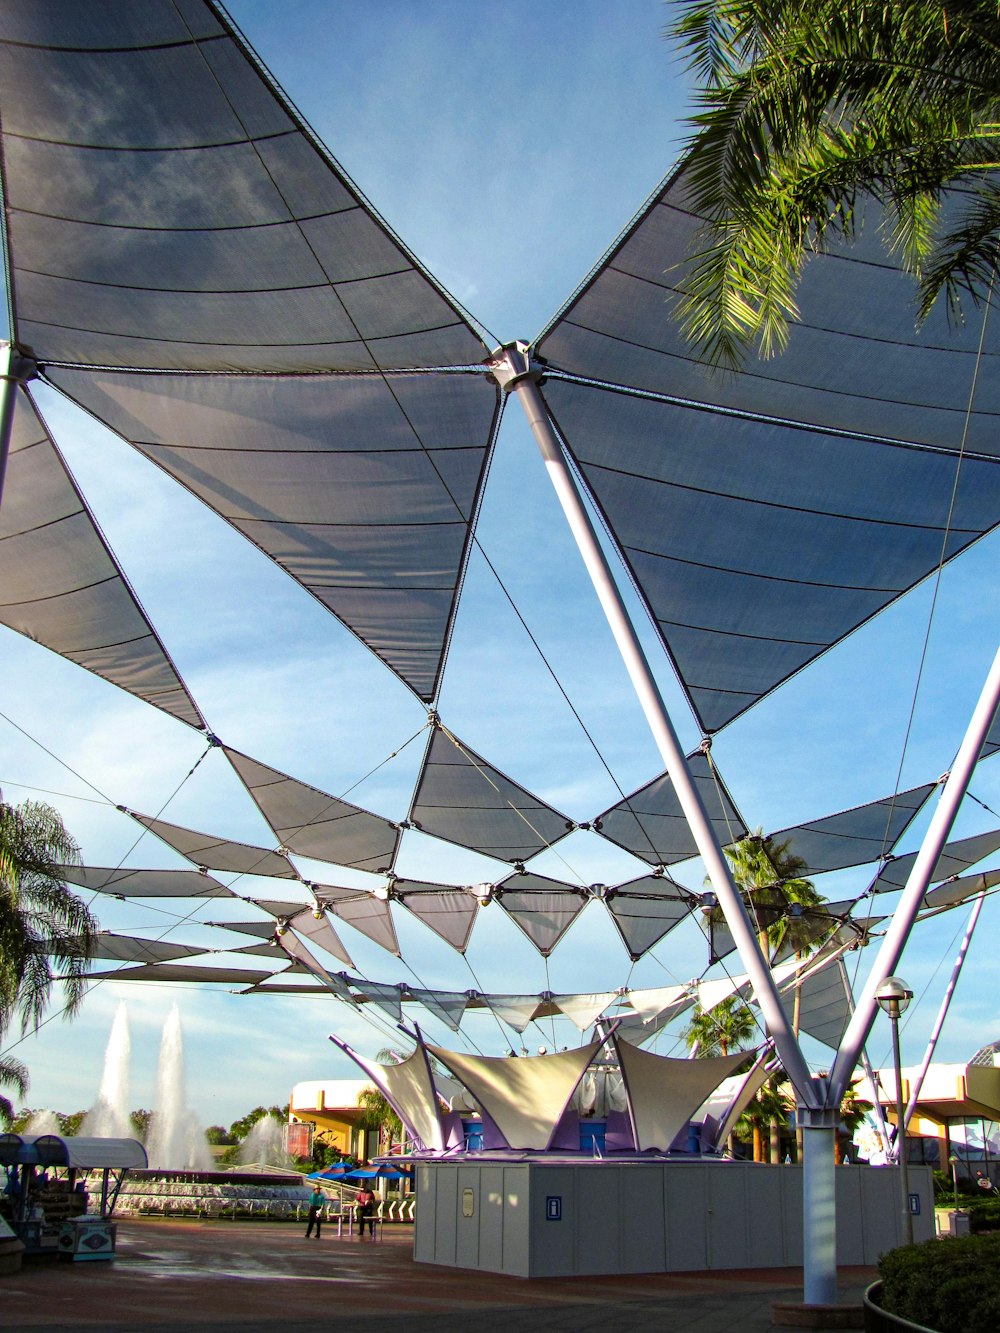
(918,1082)
(916,885)
(515,373)
(901,1162)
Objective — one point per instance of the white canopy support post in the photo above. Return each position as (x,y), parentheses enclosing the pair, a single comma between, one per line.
(819,1203)
(516,373)
(916,885)
(918,1082)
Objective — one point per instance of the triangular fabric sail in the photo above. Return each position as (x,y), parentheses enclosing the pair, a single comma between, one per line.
(583,1010)
(805,493)
(955,858)
(300,954)
(651,824)
(280,908)
(958,890)
(516,1011)
(711,993)
(127,949)
(361,910)
(168,212)
(218,853)
(446,909)
(185,972)
(144,883)
(526,1096)
(824,1005)
(61,585)
(543,908)
(660,1000)
(386,997)
(317,930)
(646,909)
(854,837)
(463,799)
(445,1005)
(314,824)
(409,1089)
(663,1094)
(263,930)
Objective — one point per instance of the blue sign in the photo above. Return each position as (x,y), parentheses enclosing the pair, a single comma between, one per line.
(553,1208)
(915,1204)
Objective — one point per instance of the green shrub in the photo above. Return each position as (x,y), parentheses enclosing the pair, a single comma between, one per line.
(948,1285)
(984,1214)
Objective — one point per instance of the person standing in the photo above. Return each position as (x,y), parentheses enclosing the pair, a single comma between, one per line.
(316,1201)
(366,1211)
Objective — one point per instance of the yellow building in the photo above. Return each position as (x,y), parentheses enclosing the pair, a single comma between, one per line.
(331,1109)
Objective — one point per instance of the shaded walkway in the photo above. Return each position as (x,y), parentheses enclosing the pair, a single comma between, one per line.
(210,1277)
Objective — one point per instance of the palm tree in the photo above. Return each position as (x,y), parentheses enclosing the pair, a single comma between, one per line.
(14,1074)
(808,107)
(730,1026)
(768,1111)
(47,933)
(853,1110)
(775,891)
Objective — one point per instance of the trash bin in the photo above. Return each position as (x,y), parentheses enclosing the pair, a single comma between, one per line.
(958,1224)
(88,1237)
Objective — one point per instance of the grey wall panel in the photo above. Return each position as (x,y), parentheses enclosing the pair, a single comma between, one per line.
(765,1210)
(687,1239)
(641,1221)
(517,1220)
(467,1228)
(850,1216)
(599,1217)
(448,1207)
(553,1247)
(728,1221)
(491,1219)
(425,1229)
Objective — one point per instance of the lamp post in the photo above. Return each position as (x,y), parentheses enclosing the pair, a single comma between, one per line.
(893,996)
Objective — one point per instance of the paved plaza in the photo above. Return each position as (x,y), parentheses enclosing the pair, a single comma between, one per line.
(214,1276)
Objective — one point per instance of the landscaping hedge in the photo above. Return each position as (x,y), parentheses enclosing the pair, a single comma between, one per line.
(949,1285)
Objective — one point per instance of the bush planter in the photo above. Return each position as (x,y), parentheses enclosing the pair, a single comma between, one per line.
(878,1320)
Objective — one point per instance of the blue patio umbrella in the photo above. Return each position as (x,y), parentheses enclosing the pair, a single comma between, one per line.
(377,1173)
(335,1171)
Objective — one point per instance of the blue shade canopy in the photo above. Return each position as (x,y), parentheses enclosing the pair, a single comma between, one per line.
(768,513)
(187,263)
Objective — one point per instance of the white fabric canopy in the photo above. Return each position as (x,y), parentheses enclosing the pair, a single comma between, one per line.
(525,1097)
(663,1094)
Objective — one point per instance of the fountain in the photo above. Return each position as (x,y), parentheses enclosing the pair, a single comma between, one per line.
(176,1140)
(180,1179)
(43,1122)
(265,1144)
(109,1117)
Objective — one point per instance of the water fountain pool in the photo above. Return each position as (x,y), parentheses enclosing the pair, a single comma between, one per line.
(278,1195)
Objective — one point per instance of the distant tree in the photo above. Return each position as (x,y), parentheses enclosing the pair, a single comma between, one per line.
(139,1121)
(218,1136)
(239,1129)
(47,933)
(70,1125)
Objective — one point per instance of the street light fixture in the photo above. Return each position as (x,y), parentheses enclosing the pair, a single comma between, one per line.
(893,996)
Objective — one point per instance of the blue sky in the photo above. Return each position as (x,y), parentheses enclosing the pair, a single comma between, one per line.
(508,150)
